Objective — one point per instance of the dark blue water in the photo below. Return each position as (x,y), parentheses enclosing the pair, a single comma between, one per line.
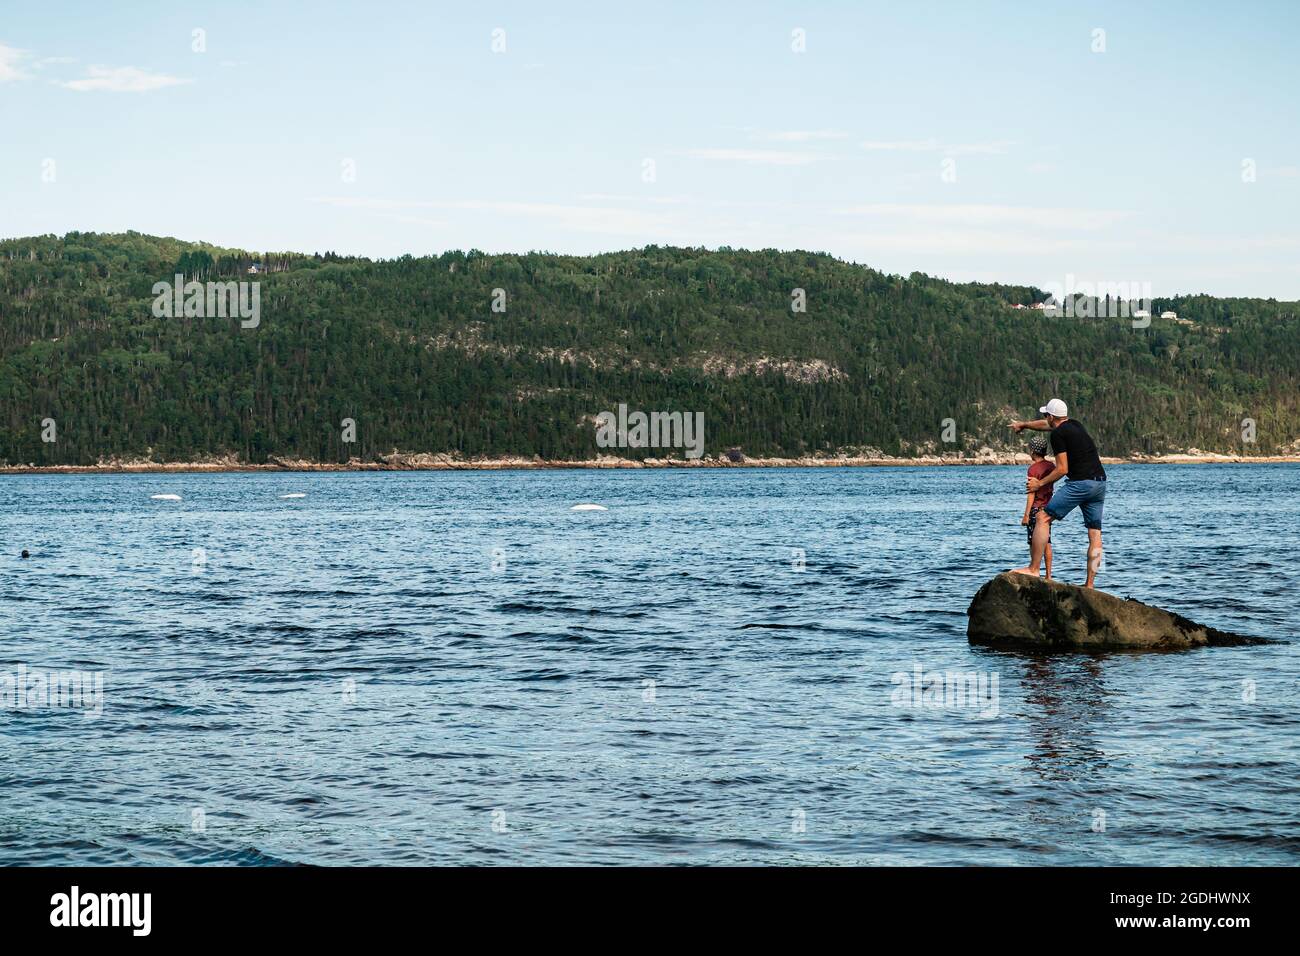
(457,668)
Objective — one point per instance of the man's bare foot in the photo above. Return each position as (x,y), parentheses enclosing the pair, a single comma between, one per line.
(1032,571)
(1087,584)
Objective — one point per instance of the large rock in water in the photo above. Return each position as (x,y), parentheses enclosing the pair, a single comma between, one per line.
(1016,610)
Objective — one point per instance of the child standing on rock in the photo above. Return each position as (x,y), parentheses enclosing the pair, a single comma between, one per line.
(1040,467)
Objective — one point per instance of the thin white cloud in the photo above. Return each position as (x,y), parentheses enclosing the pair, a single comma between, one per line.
(121,79)
(764,157)
(988,215)
(626,197)
(799,135)
(902,145)
(693,201)
(930,242)
(1221,245)
(11,63)
(597,219)
(993,148)
(931,145)
(416,220)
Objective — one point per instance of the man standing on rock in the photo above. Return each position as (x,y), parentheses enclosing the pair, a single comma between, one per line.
(1084,488)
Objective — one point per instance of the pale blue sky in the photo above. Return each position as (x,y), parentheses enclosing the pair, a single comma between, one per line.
(1123,165)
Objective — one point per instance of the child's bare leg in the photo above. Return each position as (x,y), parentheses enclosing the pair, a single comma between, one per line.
(1042,532)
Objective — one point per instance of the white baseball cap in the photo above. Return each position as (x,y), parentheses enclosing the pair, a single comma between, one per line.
(1055,407)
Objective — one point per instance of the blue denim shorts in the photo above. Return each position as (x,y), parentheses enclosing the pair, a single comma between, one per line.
(1087,496)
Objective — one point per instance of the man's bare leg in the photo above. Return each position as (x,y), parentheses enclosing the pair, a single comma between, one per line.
(1048,556)
(1094,555)
(1042,534)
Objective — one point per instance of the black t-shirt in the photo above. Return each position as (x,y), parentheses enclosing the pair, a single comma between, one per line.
(1085,464)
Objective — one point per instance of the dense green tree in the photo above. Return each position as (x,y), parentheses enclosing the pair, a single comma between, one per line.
(412,350)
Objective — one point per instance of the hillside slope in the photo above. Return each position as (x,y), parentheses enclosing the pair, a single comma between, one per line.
(413,352)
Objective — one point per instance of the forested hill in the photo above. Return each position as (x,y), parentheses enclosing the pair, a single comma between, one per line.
(413,351)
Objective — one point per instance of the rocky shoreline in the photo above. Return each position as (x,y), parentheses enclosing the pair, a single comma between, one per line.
(398,461)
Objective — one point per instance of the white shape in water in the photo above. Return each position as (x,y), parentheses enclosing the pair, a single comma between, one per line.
(296,494)
(588,508)
(165,497)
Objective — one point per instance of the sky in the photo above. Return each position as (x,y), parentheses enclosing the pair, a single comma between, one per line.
(1037,142)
